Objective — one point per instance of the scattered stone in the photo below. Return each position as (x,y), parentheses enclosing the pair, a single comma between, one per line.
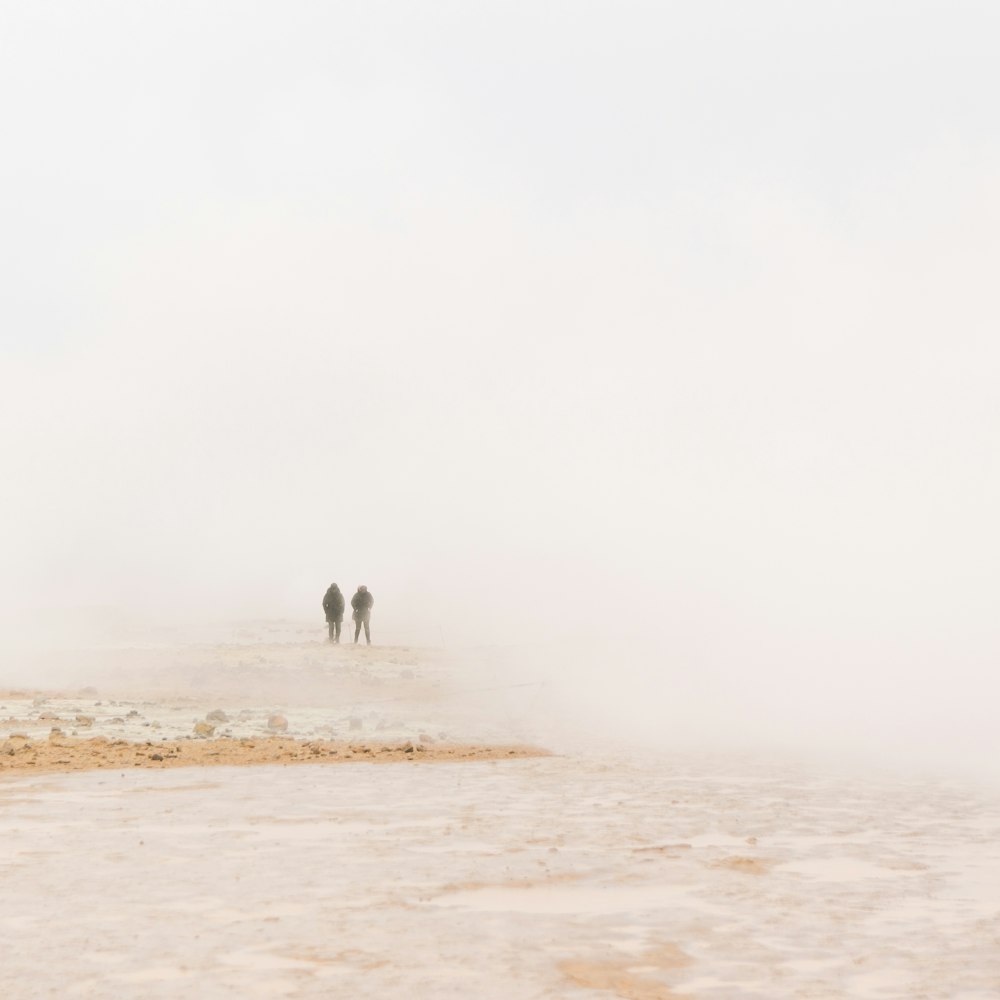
(119,720)
(277,723)
(154,724)
(203,729)
(426,738)
(38,701)
(84,721)
(133,714)
(47,715)
(217,715)
(156,756)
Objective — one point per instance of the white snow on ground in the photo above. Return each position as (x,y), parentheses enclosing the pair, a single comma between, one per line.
(598,872)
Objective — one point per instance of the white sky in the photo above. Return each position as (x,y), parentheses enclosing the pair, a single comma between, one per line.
(538,318)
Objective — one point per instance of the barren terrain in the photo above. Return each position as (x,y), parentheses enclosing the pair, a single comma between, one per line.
(598,870)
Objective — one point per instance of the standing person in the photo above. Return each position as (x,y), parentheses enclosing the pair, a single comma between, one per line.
(362,603)
(333,605)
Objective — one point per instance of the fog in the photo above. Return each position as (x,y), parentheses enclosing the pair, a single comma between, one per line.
(653,342)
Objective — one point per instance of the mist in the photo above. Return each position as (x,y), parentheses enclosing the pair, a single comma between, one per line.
(655,343)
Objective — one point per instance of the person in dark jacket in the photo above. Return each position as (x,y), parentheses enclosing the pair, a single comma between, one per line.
(362,603)
(333,605)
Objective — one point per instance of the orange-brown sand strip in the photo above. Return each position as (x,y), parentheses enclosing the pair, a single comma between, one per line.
(19,754)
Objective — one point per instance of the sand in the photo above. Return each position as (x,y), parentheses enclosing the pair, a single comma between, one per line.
(19,753)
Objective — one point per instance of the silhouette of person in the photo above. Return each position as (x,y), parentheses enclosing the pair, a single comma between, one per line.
(362,603)
(333,605)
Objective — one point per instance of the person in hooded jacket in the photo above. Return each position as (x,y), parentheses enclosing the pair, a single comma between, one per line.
(362,603)
(333,605)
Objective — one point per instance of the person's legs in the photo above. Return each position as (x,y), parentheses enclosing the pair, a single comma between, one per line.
(337,636)
(331,625)
(357,628)
(368,634)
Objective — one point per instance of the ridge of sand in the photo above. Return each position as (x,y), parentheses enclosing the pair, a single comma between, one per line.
(21,754)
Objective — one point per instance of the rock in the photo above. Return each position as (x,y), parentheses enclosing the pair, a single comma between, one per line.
(156,756)
(48,716)
(354,722)
(203,729)
(84,721)
(426,738)
(277,723)
(133,714)
(217,716)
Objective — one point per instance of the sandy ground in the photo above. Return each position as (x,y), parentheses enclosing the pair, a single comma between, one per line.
(18,753)
(597,871)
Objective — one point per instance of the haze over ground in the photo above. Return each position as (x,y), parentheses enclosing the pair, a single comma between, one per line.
(548,321)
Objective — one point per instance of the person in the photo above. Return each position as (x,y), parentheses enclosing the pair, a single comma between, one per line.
(333,605)
(362,603)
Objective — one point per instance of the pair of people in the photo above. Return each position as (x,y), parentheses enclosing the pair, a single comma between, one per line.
(361,603)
